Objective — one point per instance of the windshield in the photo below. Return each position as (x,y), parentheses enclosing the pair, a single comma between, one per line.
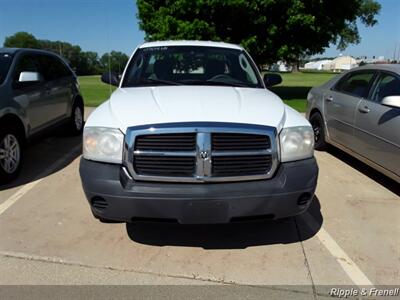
(5,62)
(191,65)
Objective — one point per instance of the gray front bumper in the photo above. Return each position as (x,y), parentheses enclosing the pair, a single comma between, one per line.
(112,195)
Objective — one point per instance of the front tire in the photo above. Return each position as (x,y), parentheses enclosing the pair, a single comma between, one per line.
(76,121)
(317,123)
(11,153)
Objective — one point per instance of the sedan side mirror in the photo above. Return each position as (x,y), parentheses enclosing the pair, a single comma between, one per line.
(391,101)
(272,79)
(110,78)
(29,77)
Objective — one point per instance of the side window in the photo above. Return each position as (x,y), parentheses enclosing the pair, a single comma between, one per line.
(5,63)
(26,63)
(388,85)
(52,68)
(356,84)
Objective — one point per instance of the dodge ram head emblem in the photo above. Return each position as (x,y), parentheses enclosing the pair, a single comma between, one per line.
(204,155)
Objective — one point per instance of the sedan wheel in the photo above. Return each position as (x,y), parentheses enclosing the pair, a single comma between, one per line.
(10,154)
(317,124)
(317,130)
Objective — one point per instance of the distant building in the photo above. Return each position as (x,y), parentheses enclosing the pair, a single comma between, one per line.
(372,60)
(341,63)
(316,65)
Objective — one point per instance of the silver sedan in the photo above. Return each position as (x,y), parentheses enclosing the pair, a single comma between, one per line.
(359,112)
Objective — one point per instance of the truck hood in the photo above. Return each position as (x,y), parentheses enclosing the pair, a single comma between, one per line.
(171,104)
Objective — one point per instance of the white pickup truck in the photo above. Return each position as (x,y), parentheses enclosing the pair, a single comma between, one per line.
(193,135)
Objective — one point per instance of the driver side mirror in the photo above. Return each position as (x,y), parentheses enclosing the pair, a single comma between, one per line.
(391,101)
(111,78)
(271,79)
(26,76)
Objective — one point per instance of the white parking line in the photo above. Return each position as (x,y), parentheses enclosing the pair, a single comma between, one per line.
(27,187)
(348,265)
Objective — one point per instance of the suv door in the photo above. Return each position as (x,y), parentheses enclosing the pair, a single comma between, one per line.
(377,126)
(341,103)
(58,86)
(30,95)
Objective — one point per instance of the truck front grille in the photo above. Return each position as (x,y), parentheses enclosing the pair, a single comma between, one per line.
(208,152)
(238,141)
(241,165)
(166,142)
(165,165)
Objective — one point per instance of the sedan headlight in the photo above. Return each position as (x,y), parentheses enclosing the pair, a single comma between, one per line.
(103,144)
(296,143)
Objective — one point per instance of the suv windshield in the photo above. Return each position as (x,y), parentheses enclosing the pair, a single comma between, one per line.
(5,63)
(191,65)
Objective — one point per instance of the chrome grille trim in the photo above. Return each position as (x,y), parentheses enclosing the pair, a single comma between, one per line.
(164,153)
(203,130)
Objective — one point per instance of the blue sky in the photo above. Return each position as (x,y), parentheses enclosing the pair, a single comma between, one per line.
(102,25)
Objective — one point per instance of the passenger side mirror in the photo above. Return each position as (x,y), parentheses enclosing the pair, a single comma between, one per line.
(29,77)
(391,101)
(111,78)
(272,79)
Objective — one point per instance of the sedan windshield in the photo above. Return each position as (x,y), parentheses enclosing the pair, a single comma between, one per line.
(191,65)
(5,62)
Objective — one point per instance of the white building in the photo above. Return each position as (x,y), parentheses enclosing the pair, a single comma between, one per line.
(341,63)
(317,65)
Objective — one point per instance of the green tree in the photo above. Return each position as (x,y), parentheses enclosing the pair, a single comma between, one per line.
(114,61)
(84,63)
(270,30)
(92,60)
(21,40)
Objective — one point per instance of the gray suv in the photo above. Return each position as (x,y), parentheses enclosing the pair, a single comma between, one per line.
(38,91)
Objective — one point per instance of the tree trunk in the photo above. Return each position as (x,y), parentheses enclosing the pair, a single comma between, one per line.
(296,67)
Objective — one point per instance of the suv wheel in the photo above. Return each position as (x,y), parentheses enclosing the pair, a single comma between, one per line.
(75,124)
(10,154)
(317,124)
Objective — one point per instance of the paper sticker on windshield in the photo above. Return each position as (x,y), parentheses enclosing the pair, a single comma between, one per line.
(164,48)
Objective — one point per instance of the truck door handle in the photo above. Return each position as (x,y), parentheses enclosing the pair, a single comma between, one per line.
(329,99)
(364,109)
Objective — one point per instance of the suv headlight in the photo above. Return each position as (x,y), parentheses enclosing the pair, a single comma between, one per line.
(103,144)
(296,143)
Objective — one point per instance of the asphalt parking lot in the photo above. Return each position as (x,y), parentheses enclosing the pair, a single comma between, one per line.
(350,235)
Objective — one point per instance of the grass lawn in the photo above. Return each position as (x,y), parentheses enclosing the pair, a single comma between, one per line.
(293,89)
(94,91)
(295,86)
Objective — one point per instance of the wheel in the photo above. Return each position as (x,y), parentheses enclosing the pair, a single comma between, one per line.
(10,154)
(75,123)
(317,124)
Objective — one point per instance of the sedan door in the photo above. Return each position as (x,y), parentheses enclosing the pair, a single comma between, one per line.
(377,133)
(341,102)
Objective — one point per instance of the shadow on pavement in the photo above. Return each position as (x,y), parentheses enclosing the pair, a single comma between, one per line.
(375,175)
(46,156)
(225,236)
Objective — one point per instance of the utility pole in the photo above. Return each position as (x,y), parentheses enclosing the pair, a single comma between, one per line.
(398,53)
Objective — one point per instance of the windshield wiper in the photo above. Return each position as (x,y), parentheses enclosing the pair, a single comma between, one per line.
(153,80)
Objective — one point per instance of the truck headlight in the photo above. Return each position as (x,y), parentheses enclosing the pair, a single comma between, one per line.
(296,143)
(103,144)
